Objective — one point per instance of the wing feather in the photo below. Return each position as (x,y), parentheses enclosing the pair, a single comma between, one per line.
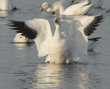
(44,34)
(37,29)
(93,42)
(95,39)
(21,27)
(89,29)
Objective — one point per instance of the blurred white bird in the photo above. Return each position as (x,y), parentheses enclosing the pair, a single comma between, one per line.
(64,3)
(59,48)
(76,9)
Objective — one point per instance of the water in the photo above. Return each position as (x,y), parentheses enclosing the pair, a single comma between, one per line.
(20,67)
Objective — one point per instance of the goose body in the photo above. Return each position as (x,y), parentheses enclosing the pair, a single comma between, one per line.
(76,9)
(7,5)
(59,48)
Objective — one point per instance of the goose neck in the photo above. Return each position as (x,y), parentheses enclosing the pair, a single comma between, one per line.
(61,9)
(49,8)
(57,32)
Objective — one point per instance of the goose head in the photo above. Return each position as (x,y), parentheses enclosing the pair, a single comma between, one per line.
(57,22)
(20,38)
(56,8)
(44,6)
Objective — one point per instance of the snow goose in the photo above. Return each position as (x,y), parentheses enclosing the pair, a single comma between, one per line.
(64,3)
(59,49)
(76,9)
(20,38)
(7,5)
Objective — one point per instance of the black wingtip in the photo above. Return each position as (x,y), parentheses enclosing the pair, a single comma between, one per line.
(92,26)
(21,27)
(95,39)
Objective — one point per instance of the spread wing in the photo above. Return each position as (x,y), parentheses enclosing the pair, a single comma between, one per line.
(37,29)
(21,27)
(89,29)
(78,42)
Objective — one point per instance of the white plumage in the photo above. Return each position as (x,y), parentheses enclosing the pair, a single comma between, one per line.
(59,48)
(76,9)
(20,38)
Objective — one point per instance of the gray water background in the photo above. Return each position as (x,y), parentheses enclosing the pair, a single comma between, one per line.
(20,67)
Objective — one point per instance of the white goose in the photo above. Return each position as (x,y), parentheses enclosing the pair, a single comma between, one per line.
(7,5)
(59,49)
(76,9)
(64,3)
(20,38)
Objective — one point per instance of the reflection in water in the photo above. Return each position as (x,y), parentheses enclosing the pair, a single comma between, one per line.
(48,76)
(5,13)
(22,45)
(52,76)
